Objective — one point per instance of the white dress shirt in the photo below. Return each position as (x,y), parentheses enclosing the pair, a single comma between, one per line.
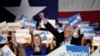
(66,42)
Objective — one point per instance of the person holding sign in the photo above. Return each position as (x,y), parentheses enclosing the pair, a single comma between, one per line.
(37,48)
(64,38)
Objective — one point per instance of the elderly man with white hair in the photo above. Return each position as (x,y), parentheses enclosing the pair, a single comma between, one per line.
(64,38)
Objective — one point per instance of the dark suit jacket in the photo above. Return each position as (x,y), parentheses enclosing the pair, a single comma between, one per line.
(60,36)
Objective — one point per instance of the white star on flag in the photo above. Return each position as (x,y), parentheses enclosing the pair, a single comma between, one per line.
(25,9)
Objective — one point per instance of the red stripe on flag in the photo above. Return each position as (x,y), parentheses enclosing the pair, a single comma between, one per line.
(92,16)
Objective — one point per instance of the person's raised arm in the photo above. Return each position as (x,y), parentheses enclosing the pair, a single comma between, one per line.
(48,25)
(43,17)
(50,28)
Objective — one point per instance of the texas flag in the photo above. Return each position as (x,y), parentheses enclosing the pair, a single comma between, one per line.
(11,10)
(53,9)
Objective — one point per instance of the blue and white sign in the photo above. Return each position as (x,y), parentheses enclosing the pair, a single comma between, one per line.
(78,51)
(89,35)
(63,20)
(83,24)
(95,24)
(86,29)
(60,29)
(71,51)
(43,36)
(6,51)
(23,17)
(3,38)
(75,20)
(46,36)
(97,32)
(30,24)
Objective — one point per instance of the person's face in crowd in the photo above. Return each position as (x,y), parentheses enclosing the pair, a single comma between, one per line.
(68,32)
(36,41)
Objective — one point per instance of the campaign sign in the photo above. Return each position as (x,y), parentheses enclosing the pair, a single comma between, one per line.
(96,41)
(46,36)
(77,51)
(60,29)
(89,35)
(22,17)
(96,52)
(3,39)
(95,24)
(51,21)
(70,51)
(13,26)
(6,51)
(2,25)
(61,51)
(97,32)
(86,29)
(75,20)
(30,24)
(23,37)
(22,31)
(43,36)
(65,21)
(83,24)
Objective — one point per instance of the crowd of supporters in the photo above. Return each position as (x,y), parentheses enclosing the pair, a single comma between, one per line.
(36,47)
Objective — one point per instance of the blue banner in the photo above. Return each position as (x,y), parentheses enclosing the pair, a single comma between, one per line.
(70,51)
(78,51)
(86,29)
(1,38)
(60,29)
(75,20)
(30,24)
(89,34)
(43,36)
(63,20)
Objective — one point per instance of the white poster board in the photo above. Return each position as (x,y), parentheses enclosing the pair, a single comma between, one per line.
(96,52)
(96,41)
(7,52)
(22,31)
(12,26)
(2,24)
(51,21)
(46,36)
(23,36)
